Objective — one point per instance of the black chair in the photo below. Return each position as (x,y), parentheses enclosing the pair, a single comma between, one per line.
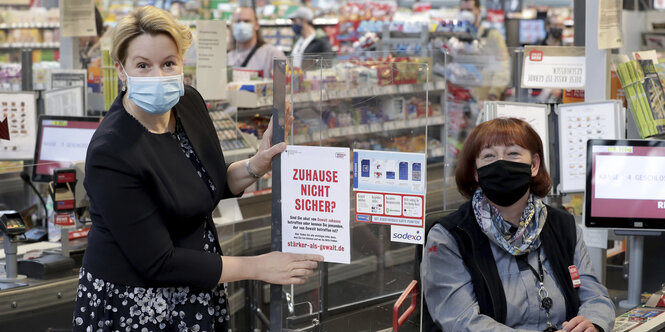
(414,288)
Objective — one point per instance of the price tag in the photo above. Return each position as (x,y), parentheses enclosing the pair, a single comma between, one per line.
(375,127)
(363,129)
(422,122)
(392,89)
(413,123)
(390,125)
(400,124)
(324,135)
(301,138)
(376,90)
(348,131)
(335,132)
(315,96)
(441,85)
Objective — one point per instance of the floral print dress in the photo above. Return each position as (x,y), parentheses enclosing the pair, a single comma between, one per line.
(106,306)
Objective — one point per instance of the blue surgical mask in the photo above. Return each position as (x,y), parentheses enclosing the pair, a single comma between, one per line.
(155,94)
(243,31)
(297,28)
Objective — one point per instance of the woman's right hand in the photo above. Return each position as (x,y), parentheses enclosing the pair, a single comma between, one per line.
(286,268)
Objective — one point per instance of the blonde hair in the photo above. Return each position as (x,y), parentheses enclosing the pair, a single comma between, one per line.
(150,20)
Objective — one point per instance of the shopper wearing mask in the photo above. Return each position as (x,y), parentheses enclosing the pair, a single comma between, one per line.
(493,43)
(309,40)
(247,47)
(154,174)
(503,261)
(554,28)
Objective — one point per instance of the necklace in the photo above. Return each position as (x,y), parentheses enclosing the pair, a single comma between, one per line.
(543,295)
(170,125)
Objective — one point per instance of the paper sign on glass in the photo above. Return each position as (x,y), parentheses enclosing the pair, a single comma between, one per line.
(554,67)
(211,59)
(315,201)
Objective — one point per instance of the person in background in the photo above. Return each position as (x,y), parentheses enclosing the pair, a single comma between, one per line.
(248,49)
(506,261)
(554,27)
(155,171)
(90,47)
(495,82)
(309,40)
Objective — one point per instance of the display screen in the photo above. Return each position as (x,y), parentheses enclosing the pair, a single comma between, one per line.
(61,140)
(532,31)
(625,186)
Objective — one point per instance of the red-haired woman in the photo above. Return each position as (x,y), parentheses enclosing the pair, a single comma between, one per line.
(505,261)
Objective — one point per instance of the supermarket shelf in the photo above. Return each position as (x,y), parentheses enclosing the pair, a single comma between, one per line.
(280,22)
(450,34)
(369,128)
(29,45)
(238,154)
(362,92)
(34,25)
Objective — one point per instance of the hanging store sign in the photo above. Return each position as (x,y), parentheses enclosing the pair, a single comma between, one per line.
(553,67)
(315,202)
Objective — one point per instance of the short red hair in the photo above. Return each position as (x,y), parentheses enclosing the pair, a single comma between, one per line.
(501,131)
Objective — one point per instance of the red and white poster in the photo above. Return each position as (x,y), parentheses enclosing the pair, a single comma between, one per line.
(315,201)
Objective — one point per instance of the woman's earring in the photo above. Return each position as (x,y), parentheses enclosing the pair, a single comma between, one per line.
(124,86)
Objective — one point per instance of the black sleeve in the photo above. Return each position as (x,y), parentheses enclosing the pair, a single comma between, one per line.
(135,223)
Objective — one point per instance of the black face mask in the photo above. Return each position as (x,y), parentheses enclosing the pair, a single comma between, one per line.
(556,33)
(504,182)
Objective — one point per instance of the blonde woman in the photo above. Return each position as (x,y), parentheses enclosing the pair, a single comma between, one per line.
(154,173)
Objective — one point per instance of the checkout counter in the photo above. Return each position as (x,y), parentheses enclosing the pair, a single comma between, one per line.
(376,279)
(39,304)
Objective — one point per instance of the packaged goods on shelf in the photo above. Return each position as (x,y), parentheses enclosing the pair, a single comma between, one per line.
(10,75)
(250,94)
(35,16)
(233,142)
(244,74)
(641,81)
(259,87)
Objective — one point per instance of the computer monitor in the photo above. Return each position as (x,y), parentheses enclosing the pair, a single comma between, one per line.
(61,141)
(532,31)
(625,184)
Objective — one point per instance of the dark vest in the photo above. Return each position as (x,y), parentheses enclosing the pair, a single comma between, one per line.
(559,238)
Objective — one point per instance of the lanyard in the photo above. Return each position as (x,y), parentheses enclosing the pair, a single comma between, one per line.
(545,300)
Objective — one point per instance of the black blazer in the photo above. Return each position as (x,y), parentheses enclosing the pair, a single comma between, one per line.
(147,203)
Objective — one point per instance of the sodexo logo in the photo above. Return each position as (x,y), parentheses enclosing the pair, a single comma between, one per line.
(408,236)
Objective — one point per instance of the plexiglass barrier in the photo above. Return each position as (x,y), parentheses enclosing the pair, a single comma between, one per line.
(475,71)
(368,103)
